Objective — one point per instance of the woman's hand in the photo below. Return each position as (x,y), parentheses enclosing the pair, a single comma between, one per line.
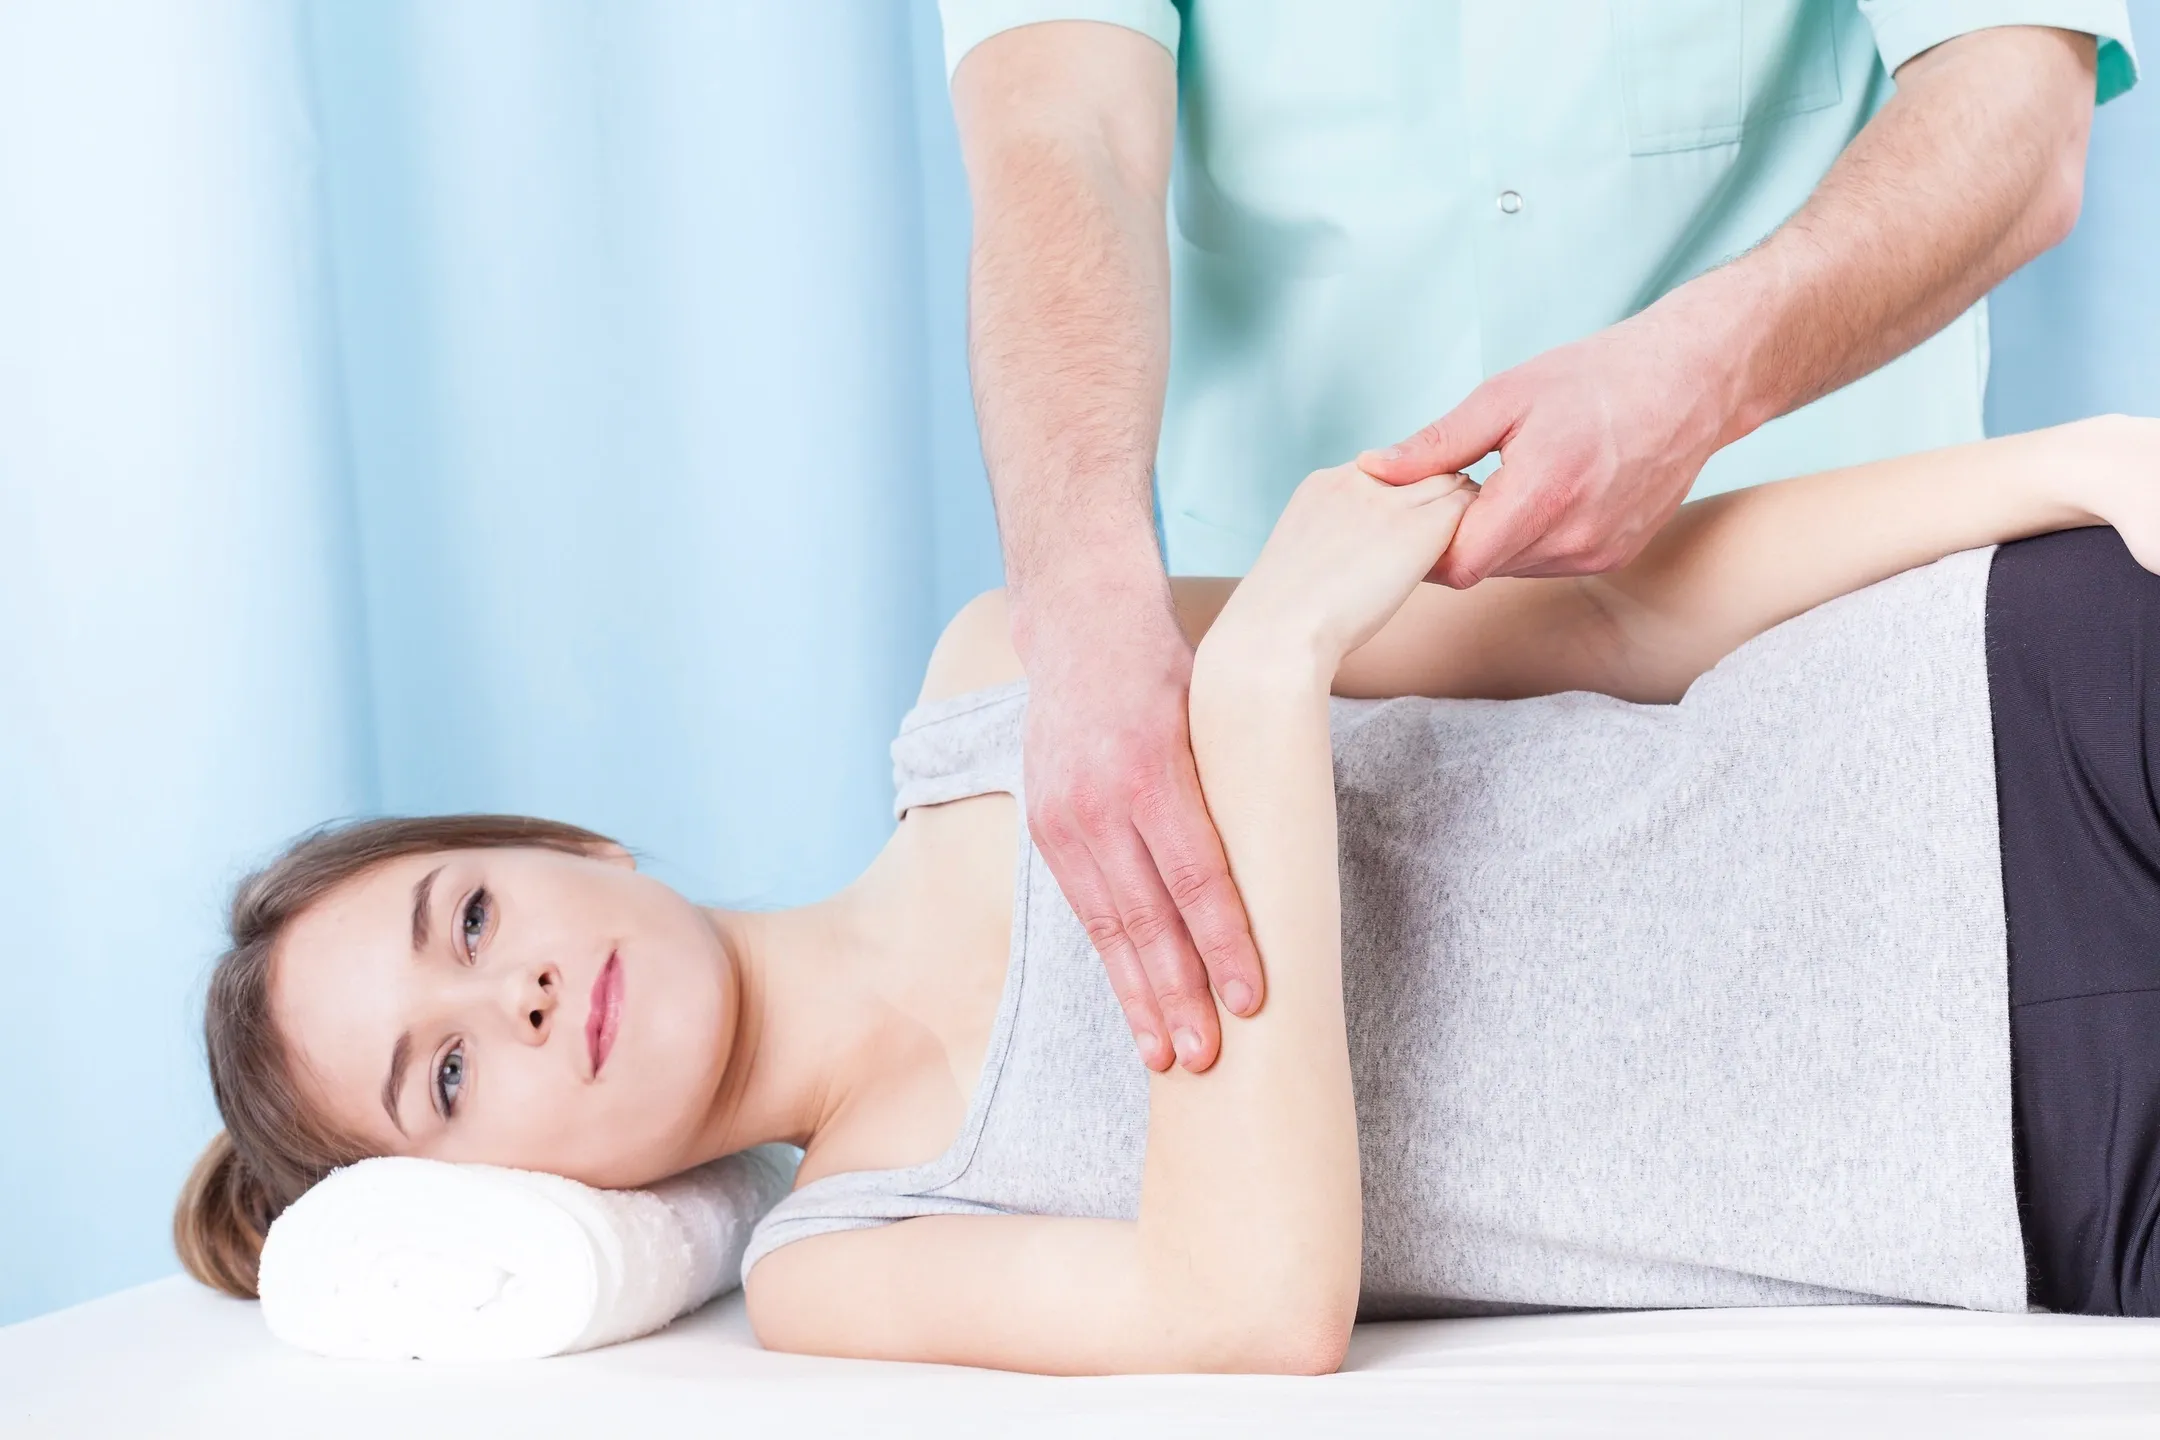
(1346,553)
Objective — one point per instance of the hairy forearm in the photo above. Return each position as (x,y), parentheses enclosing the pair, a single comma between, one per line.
(1250,1209)
(1730,567)
(1973,167)
(1069,346)
(1069,305)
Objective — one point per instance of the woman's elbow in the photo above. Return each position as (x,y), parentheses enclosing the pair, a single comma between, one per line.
(1303,1334)
(1314,1350)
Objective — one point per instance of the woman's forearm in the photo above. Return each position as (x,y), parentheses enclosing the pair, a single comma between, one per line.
(1250,1203)
(1729,568)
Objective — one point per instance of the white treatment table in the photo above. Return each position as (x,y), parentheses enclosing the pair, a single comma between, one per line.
(171,1359)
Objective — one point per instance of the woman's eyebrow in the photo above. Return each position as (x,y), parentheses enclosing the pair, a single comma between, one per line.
(401,1053)
(420,893)
(400,1057)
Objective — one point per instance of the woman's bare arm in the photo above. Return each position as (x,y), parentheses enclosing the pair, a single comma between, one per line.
(1730,567)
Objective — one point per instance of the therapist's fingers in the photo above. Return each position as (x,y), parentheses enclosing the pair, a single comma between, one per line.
(1072,863)
(1173,821)
(1515,508)
(1484,421)
(1135,926)
(1156,930)
(1108,749)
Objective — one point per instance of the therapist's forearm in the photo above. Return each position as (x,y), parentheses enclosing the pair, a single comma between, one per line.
(1069,337)
(1067,129)
(1069,345)
(1973,167)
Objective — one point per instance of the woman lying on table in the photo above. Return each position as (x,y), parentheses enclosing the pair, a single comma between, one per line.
(1773,921)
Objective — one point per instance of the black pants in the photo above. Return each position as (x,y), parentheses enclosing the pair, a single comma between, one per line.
(2073,649)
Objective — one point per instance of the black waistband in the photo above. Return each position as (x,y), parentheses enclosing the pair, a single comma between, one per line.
(2073,633)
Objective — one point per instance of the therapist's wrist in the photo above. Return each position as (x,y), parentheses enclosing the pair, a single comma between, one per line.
(1724,325)
(1094,588)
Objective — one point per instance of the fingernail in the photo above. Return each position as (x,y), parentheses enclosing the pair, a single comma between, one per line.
(1187,1043)
(1238,996)
(1151,1050)
(1393,452)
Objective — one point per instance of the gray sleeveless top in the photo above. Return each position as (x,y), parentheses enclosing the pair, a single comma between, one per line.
(1682,1005)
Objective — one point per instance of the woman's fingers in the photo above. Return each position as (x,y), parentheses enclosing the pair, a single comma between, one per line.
(1434,518)
(1509,518)
(1347,551)
(1435,487)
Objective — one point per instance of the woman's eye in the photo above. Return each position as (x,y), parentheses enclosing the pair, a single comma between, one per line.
(473,923)
(449,1079)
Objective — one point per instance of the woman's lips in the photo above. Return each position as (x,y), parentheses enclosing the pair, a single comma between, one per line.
(605,1012)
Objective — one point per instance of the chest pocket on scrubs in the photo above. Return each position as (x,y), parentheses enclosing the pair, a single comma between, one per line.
(1697,73)
(1300,125)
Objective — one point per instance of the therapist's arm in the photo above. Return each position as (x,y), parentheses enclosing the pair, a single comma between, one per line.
(1067,129)
(1973,167)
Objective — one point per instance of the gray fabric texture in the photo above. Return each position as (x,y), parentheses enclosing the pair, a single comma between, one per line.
(1689,1005)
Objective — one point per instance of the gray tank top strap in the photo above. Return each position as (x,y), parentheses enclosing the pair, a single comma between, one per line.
(946,750)
(960,746)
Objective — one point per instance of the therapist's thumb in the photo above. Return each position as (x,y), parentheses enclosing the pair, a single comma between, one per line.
(1456,441)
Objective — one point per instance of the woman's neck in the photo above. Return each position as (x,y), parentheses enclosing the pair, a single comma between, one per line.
(811,1010)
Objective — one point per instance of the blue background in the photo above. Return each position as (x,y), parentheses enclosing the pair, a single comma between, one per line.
(542,405)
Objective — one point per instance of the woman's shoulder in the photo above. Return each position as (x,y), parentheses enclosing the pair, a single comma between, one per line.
(976,652)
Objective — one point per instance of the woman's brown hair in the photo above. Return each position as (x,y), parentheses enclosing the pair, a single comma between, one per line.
(273,1146)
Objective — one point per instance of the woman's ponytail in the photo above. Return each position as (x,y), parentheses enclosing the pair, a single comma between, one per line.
(221,1219)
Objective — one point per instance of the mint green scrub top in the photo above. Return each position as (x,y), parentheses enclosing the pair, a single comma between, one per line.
(1378,203)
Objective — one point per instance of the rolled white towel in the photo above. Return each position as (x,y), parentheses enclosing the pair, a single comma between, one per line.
(399,1258)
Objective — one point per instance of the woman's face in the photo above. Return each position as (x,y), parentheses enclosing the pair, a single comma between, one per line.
(526,1007)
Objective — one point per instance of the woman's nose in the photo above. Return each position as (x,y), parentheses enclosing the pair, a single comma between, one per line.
(534,998)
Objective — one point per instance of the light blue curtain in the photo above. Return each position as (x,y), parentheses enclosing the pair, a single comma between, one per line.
(543,405)
(2077,332)
(550,405)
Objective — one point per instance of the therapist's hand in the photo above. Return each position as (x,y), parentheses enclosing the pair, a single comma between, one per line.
(1114,805)
(1599,441)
